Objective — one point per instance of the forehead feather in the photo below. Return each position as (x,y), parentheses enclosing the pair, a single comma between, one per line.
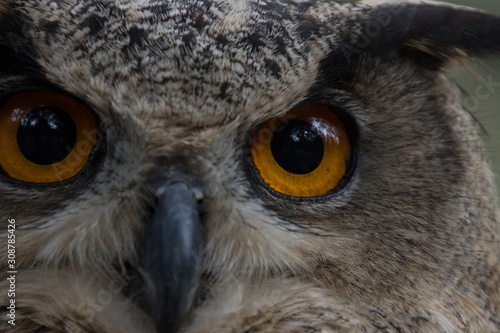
(211,59)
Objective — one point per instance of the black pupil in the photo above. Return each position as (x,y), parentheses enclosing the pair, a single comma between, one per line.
(297,147)
(46,135)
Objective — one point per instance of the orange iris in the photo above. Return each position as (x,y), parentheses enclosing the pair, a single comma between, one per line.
(45,137)
(303,154)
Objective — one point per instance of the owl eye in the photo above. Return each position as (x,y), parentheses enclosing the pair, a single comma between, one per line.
(45,136)
(305,153)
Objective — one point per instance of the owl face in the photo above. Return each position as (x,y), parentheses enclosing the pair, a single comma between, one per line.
(273,166)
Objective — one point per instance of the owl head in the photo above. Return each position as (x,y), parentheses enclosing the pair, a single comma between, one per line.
(244,166)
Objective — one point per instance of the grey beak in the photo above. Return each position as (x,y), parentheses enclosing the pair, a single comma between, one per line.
(170,256)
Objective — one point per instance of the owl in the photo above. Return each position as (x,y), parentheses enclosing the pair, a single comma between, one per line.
(244,166)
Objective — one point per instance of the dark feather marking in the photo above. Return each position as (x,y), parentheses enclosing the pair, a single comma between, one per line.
(17,53)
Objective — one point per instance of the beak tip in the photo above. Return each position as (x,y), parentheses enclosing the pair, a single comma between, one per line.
(171,254)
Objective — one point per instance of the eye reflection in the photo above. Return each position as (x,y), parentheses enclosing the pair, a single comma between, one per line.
(46,135)
(325,130)
(297,147)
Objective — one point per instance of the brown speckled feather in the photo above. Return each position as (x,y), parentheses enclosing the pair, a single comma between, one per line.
(409,244)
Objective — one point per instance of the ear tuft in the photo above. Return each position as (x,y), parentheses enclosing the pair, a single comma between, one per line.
(3,8)
(425,49)
(436,33)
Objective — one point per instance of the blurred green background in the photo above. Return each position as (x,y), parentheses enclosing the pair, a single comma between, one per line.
(487,111)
